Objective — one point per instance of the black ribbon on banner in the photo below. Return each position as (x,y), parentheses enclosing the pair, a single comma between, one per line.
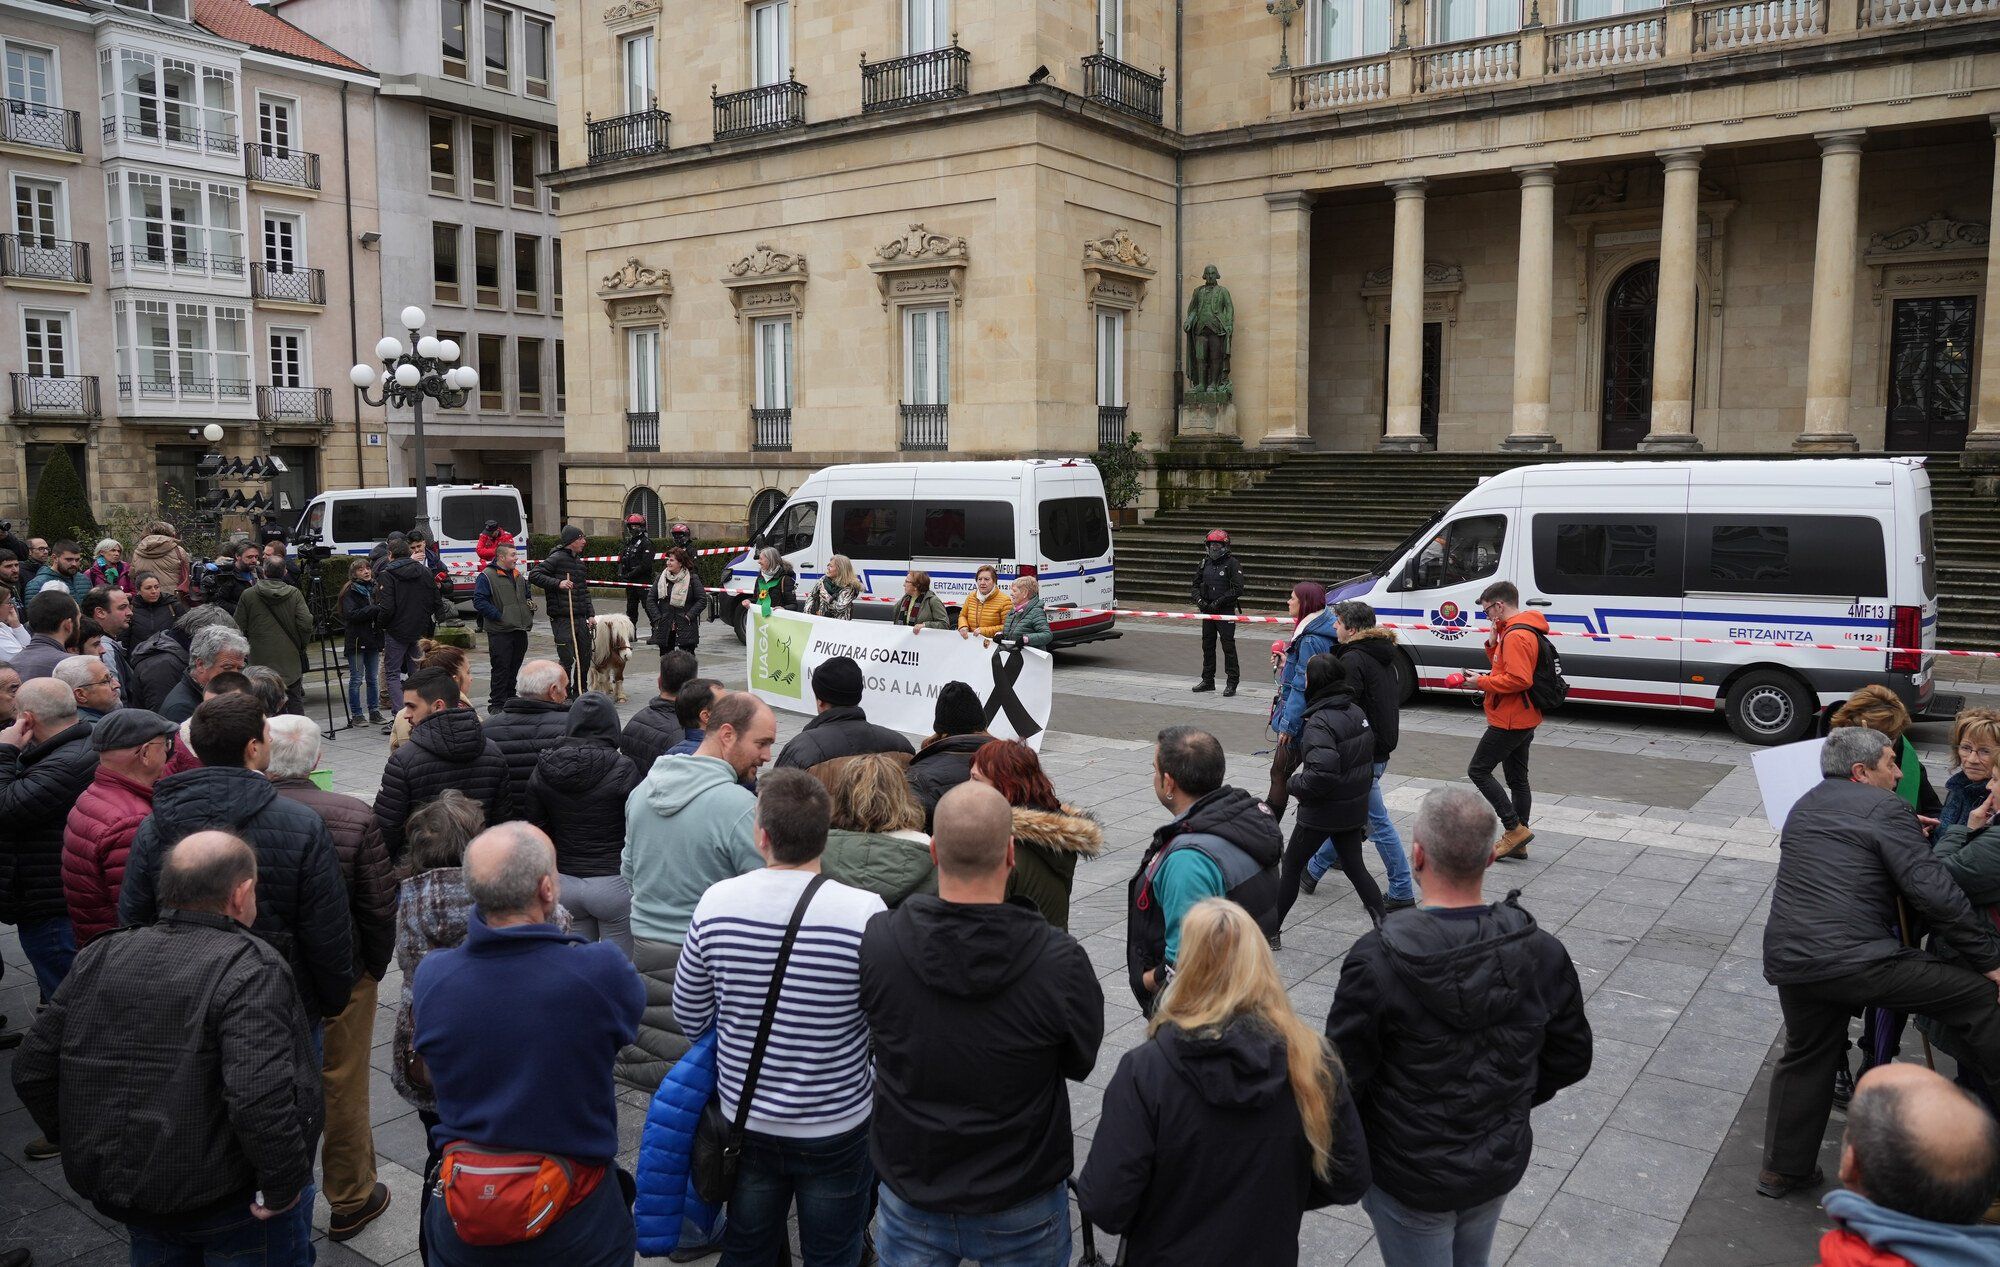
(1007,666)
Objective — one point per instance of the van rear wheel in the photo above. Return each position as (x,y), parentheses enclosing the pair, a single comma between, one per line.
(1770,706)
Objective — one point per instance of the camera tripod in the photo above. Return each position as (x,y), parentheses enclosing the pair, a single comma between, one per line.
(332,673)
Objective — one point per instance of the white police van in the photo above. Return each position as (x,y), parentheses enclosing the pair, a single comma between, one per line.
(1044,518)
(352,520)
(1757,553)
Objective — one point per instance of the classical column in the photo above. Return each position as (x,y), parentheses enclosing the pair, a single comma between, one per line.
(1534,297)
(1830,347)
(1674,317)
(1982,444)
(1406,322)
(1287,383)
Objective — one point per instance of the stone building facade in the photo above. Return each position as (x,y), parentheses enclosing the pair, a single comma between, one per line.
(1726,225)
(186,182)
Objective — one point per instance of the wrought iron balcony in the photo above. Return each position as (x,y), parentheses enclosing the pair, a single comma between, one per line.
(770,108)
(926,426)
(313,405)
(288,285)
(771,430)
(281,165)
(72,396)
(1111,425)
(44,259)
(937,74)
(171,131)
(1111,82)
(642,431)
(628,135)
(45,127)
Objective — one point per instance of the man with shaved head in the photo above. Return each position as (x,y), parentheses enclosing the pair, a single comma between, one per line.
(979,1010)
(533,1075)
(184,1043)
(1920,1165)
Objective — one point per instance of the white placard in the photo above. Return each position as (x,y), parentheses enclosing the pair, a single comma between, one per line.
(905,671)
(1784,774)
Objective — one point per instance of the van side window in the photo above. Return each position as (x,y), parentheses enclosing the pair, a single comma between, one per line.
(1828,556)
(794,530)
(1074,528)
(964,530)
(1632,555)
(465,514)
(372,518)
(315,520)
(872,530)
(1460,551)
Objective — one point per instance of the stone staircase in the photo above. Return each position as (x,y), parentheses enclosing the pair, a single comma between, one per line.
(1331,515)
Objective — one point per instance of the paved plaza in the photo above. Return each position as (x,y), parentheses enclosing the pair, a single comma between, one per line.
(1651,861)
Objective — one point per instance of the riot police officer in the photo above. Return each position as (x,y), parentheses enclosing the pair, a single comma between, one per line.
(1218,586)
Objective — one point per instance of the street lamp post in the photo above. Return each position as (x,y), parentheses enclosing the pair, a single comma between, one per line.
(427,369)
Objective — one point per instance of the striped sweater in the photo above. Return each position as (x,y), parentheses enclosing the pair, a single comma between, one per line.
(816,1080)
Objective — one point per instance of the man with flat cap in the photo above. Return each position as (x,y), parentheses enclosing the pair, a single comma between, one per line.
(132,747)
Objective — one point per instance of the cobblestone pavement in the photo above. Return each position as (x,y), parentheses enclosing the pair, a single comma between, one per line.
(1651,861)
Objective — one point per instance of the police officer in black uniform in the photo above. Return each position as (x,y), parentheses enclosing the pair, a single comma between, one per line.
(635,568)
(1218,586)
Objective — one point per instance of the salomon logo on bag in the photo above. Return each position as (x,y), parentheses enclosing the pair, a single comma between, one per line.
(1547,690)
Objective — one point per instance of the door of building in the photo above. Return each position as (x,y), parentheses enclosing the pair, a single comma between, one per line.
(1626,414)
(1930,374)
(1429,385)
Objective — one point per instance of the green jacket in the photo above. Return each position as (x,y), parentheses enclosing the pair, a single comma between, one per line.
(1046,847)
(1973,858)
(890,866)
(928,613)
(274,617)
(1030,624)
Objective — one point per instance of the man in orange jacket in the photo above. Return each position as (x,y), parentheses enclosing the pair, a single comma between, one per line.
(1511,717)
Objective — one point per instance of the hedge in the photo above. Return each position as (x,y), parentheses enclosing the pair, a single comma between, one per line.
(59,510)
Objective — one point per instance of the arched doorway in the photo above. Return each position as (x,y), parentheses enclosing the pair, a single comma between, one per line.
(644,501)
(763,508)
(1626,410)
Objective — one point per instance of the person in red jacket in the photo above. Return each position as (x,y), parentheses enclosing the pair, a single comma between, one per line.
(132,748)
(1511,717)
(490,540)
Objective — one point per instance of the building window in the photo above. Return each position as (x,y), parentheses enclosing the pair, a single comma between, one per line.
(31,75)
(527,272)
(636,53)
(444,154)
(485,163)
(521,162)
(287,351)
(184,349)
(1110,357)
(773,338)
(528,375)
(1111,27)
(444,264)
(645,502)
(770,42)
(191,225)
(274,126)
(296,488)
(284,244)
(492,371)
(1340,29)
(498,23)
(486,267)
(536,41)
(45,343)
(1474,19)
(553,163)
(642,371)
(562,379)
(1584,10)
(555,275)
(169,98)
(39,212)
(926,25)
(458,337)
(926,356)
(451,18)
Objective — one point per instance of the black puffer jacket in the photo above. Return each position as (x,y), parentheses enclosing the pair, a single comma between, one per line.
(1370,659)
(1453,1024)
(577,793)
(1847,852)
(1336,764)
(1218,584)
(524,729)
(38,785)
(159,663)
(446,750)
(406,600)
(548,575)
(941,765)
(838,733)
(1240,1196)
(652,730)
(301,902)
(1238,834)
(152,619)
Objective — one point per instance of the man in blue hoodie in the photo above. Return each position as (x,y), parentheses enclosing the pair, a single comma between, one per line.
(1919,1167)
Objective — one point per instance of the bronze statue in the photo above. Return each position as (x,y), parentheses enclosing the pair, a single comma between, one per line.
(1211,331)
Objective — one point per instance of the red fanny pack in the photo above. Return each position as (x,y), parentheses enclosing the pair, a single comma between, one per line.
(505,1198)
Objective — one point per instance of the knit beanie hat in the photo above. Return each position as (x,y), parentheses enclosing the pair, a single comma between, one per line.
(958,711)
(838,683)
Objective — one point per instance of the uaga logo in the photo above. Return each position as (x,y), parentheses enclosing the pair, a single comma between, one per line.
(780,648)
(1448,621)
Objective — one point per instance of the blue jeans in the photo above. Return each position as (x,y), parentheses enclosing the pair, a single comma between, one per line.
(359,705)
(830,1178)
(1388,843)
(1034,1233)
(50,945)
(233,1237)
(1419,1238)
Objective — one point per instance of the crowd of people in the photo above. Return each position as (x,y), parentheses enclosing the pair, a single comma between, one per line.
(841,968)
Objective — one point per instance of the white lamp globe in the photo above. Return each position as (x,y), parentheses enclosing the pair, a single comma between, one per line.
(447,349)
(427,347)
(212,433)
(468,378)
(413,317)
(408,375)
(361,376)
(388,349)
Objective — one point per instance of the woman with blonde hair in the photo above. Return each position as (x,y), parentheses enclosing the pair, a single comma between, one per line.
(876,841)
(833,595)
(1877,708)
(1230,1064)
(1975,747)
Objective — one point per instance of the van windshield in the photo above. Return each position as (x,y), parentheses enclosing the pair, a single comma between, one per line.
(1403,547)
(369,519)
(465,514)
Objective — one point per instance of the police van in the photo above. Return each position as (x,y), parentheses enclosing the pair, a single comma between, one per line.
(352,520)
(1752,554)
(1044,518)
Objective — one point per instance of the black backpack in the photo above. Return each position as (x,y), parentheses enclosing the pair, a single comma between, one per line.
(1547,690)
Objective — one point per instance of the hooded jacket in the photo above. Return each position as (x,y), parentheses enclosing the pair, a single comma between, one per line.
(1241,1195)
(406,599)
(566,606)
(274,617)
(688,824)
(524,729)
(97,837)
(979,1013)
(1336,764)
(1318,637)
(1868,1235)
(38,786)
(822,744)
(1370,658)
(577,792)
(159,664)
(1512,655)
(301,902)
(940,765)
(891,865)
(1239,835)
(1046,847)
(151,619)
(364,869)
(164,557)
(1453,1024)
(446,750)
(652,730)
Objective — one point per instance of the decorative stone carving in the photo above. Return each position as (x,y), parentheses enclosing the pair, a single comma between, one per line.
(1116,270)
(1644,186)
(1939,233)
(921,266)
(1435,275)
(636,276)
(1443,283)
(1936,255)
(1117,249)
(921,245)
(632,10)
(766,261)
(767,282)
(636,295)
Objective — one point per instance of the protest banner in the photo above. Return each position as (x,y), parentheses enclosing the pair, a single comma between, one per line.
(904,670)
